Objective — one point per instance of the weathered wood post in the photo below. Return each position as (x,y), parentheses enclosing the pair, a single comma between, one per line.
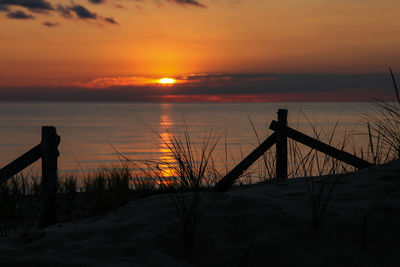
(49,149)
(281,146)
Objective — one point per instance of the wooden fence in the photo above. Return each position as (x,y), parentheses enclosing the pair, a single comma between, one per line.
(47,150)
(279,138)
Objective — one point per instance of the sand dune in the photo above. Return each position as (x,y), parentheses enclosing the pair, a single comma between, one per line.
(260,225)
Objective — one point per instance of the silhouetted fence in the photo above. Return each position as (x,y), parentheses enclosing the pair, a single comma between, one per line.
(279,138)
(47,150)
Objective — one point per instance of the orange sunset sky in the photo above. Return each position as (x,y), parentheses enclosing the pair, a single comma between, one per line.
(232,48)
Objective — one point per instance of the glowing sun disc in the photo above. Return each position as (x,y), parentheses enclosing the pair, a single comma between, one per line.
(166,81)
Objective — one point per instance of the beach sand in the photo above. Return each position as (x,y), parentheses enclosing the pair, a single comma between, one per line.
(259,225)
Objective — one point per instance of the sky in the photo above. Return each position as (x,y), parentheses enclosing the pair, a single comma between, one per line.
(216,50)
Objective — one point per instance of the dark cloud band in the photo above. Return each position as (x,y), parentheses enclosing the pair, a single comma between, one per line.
(111,20)
(96,1)
(50,24)
(82,12)
(33,5)
(67,11)
(64,11)
(189,2)
(19,14)
(298,87)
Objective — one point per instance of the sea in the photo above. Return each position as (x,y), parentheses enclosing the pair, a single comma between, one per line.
(99,135)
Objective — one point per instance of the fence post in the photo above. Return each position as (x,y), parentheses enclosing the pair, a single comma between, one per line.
(49,150)
(281,146)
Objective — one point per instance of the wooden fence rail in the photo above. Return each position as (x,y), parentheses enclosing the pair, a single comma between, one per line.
(48,151)
(20,163)
(234,174)
(320,146)
(279,137)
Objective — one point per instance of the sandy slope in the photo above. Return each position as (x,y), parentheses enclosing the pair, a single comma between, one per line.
(262,225)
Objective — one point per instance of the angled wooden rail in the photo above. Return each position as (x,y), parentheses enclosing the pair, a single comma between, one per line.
(279,137)
(320,146)
(20,163)
(47,150)
(225,183)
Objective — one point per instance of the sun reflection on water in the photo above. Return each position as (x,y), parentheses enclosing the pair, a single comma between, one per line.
(167,161)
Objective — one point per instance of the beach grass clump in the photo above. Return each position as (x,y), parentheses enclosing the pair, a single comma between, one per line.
(385,122)
(17,211)
(190,176)
(306,162)
(68,184)
(35,185)
(8,215)
(108,188)
(16,185)
(384,125)
(186,172)
(144,186)
(77,196)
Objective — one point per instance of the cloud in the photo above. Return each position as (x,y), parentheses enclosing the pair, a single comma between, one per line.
(19,14)
(117,5)
(189,2)
(50,24)
(96,1)
(180,2)
(33,5)
(64,11)
(111,20)
(69,11)
(82,12)
(108,82)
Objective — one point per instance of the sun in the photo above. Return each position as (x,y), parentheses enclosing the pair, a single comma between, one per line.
(167,80)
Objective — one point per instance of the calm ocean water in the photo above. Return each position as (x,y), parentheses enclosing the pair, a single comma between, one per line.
(89,131)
